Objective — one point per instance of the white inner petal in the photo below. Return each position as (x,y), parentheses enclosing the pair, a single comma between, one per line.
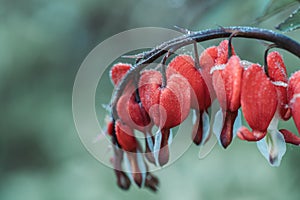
(157,142)
(149,141)
(273,126)
(127,166)
(194,116)
(272,147)
(218,124)
(206,127)
(211,140)
(237,124)
(170,139)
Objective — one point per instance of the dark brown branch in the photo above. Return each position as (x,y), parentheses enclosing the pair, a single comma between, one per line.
(280,40)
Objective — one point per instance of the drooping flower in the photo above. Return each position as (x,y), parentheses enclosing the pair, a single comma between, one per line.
(128,143)
(132,172)
(130,153)
(214,59)
(294,105)
(167,105)
(118,71)
(210,57)
(200,97)
(258,102)
(125,137)
(266,97)
(273,145)
(130,109)
(127,151)
(294,97)
(278,75)
(134,115)
(227,81)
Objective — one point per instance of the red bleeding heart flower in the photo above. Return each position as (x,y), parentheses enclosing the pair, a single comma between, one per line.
(110,128)
(118,71)
(265,96)
(227,81)
(211,57)
(258,101)
(132,113)
(200,98)
(294,97)
(167,105)
(130,110)
(207,60)
(125,136)
(278,76)
(133,160)
(273,145)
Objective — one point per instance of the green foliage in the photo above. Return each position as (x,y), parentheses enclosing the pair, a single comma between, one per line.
(291,23)
(276,6)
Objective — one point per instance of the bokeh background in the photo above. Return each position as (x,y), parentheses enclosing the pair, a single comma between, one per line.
(43,43)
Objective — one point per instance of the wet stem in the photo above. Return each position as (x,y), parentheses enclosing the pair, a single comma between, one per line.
(165,49)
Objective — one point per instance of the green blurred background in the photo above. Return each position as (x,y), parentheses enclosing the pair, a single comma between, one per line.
(42,44)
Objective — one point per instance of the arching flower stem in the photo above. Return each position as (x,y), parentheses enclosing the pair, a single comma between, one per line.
(280,40)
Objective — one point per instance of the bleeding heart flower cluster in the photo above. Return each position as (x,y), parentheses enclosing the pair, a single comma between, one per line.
(264,95)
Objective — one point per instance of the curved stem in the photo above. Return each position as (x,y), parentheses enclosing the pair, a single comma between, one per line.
(280,40)
(163,68)
(230,44)
(266,66)
(197,64)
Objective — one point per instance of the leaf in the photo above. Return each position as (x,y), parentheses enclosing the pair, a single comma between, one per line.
(274,7)
(291,23)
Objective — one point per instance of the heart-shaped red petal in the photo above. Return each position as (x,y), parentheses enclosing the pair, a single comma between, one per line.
(133,113)
(258,99)
(118,71)
(185,66)
(278,75)
(110,128)
(227,84)
(222,57)
(207,61)
(294,97)
(293,85)
(125,137)
(167,106)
